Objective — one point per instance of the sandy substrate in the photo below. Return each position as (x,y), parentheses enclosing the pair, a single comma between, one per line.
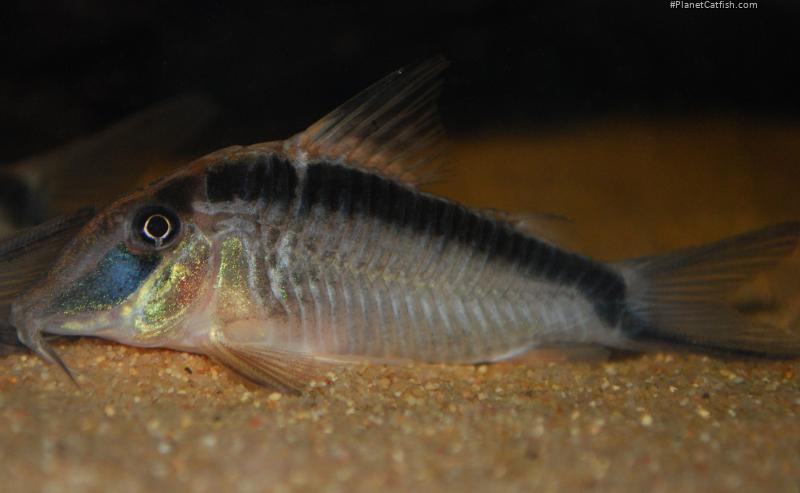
(157,420)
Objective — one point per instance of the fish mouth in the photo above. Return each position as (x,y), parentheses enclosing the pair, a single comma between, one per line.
(33,324)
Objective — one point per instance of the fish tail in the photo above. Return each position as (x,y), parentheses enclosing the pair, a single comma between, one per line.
(683,297)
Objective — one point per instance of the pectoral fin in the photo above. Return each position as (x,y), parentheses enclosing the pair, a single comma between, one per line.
(284,370)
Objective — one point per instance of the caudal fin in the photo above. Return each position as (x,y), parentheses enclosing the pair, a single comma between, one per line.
(684,296)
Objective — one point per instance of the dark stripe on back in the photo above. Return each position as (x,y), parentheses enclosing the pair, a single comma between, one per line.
(179,193)
(354,191)
(252,177)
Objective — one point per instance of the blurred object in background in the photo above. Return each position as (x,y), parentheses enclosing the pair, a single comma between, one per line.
(273,67)
(96,170)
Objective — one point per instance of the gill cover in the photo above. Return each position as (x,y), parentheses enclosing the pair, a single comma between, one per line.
(129,275)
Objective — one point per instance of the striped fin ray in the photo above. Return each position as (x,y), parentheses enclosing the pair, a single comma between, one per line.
(390,128)
(683,297)
(287,371)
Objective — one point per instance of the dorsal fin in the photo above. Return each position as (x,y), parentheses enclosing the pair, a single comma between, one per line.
(391,127)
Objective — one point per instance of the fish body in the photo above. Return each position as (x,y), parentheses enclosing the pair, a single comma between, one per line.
(279,259)
(312,257)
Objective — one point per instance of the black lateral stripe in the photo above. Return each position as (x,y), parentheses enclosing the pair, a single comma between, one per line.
(376,195)
(226,181)
(406,208)
(328,195)
(610,304)
(516,244)
(179,193)
(426,214)
(280,186)
(460,223)
(529,253)
(250,178)
(572,269)
(344,197)
(539,257)
(490,238)
(380,202)
(486,235)
(465,227)
(605,288)
(354,191)
(397,201)
(312,191)
(446,214)
(503,241)
(361,191)
(255,178)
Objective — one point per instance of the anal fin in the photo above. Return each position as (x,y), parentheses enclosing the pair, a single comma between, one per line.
(284,370)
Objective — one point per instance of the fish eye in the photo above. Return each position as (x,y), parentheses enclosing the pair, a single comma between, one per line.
(156,226)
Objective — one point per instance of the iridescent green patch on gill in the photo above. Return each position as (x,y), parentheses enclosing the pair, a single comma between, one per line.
(114,278)
(169,294)
(234,300)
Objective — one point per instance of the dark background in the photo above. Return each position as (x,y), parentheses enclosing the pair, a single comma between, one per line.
(70,67)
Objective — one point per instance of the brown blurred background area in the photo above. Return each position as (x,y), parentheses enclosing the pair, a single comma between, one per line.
(70,68)
(619,115)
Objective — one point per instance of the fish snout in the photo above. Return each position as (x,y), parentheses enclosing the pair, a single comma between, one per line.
(30,332)
(23,319)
